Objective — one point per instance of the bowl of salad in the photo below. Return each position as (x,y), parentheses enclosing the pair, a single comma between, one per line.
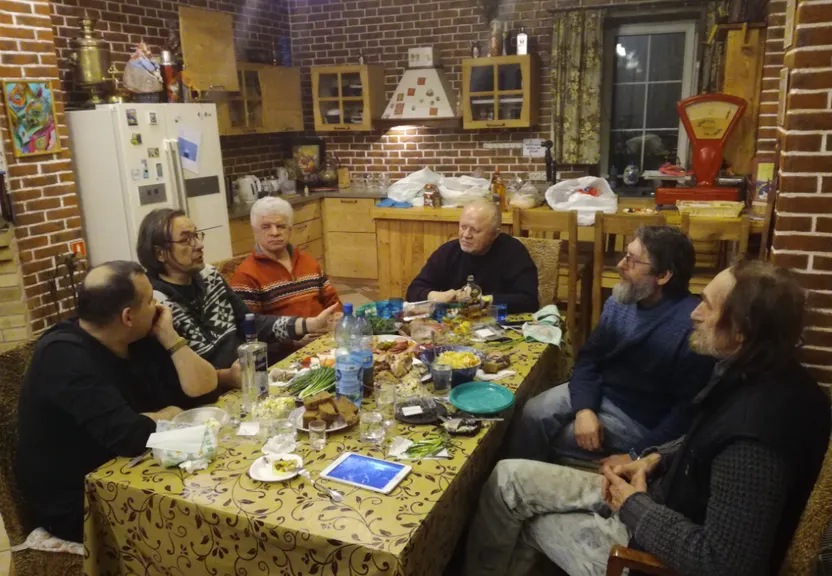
(463,360)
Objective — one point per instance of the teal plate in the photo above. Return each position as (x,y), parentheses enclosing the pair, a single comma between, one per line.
(481,397)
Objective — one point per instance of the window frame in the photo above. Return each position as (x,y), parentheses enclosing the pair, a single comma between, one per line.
(689,79)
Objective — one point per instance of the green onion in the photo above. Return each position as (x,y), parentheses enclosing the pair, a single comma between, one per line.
(428,447)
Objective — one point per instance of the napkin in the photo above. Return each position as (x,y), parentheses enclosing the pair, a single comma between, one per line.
(400,444)
(545,327)
(483,377)
(188,440)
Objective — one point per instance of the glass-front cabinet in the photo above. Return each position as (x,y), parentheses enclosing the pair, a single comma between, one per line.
(269,100)
(347,98)
(500,92)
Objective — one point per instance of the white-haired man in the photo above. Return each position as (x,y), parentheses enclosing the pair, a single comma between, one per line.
(278,278)
(500,264)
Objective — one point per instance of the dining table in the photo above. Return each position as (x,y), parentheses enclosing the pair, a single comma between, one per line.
(146,519)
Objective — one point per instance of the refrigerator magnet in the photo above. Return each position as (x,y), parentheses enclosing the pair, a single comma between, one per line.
(136,174)
(145,172)
(132,119)
(159,170)
(151,118)
(152,152)
(135,139)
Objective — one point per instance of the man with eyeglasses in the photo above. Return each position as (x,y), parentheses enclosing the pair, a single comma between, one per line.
(278,277)
(205,310)
(636,375)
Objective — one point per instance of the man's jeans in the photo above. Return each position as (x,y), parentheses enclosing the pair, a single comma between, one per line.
(546,429)
(528,507)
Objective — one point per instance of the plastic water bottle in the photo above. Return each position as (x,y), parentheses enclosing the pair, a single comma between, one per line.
(365,330)
(254,365)
(348,361)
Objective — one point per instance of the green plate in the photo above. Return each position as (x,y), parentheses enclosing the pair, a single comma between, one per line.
(481,397)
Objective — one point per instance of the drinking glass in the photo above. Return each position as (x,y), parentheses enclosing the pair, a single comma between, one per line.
(385,393)
(395,306)
(502,312)
(317,434)
(383,309)
(372,427)
(283,432)
(442,377)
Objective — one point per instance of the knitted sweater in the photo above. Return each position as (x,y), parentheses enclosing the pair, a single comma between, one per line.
(639,359)
(267,287)
(212,322)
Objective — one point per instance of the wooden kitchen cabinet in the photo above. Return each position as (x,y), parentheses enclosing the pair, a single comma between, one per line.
(347,98)
(350,238)
(500,92)
(349,214)
(207,38)
(268,101)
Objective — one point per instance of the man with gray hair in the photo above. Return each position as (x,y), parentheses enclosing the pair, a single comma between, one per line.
(278,278)
(499,263)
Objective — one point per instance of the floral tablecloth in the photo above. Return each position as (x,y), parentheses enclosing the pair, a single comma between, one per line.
(218,521)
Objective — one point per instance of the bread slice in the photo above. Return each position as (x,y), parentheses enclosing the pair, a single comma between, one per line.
(344,406)
(310,416)
(350,418)
(327,412)
(313,402)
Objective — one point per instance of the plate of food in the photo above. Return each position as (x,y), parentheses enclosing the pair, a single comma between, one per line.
(275,467)
(338,413)
(311,382)
(463,360)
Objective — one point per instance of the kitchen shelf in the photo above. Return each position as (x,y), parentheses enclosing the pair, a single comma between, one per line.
(352,91)
(500,92)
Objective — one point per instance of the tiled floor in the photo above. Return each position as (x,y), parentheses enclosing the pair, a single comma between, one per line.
(355,292)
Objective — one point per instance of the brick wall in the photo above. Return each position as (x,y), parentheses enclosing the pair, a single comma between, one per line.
(42,188)
(125,23)
(330,32)
(767,123)
(803,234)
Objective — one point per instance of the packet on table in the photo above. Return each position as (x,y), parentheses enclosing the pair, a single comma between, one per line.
(545,326)
(197,460)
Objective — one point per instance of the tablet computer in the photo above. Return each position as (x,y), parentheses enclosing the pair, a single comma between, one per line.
(365,472)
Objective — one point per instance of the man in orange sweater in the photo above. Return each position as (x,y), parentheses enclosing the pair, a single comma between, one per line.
(278,278)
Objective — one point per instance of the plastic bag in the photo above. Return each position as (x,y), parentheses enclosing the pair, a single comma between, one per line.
(527,197)
(462,191)
(409,188)
(141,73)
(207,451)
(567,195)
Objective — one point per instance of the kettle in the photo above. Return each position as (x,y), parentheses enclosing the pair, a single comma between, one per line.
(248,189)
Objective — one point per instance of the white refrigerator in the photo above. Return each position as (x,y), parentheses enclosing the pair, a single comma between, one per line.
(130,159)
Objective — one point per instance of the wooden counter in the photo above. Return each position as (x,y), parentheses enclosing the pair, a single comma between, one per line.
(406,237)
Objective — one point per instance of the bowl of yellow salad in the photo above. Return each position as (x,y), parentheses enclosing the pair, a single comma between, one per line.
(463,360)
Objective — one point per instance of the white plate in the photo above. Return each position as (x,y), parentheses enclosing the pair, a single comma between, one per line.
(296,418)
(392,338)
(262,470)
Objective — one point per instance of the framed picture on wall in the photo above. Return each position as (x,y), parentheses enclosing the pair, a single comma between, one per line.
(788,32)
(30,106)
(309,155)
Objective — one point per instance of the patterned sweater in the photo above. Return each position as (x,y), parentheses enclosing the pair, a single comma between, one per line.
(212,321)
(267,287)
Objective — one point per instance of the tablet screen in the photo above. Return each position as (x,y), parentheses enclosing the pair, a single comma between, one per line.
(365,471)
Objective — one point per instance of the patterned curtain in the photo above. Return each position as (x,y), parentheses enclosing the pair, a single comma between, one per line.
(577,69)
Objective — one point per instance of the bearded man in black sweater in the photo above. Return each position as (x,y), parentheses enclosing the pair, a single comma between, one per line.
(725,499)
(499,263)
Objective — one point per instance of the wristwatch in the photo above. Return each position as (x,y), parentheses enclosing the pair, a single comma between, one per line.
(304,330)
(178,345)
(633,454)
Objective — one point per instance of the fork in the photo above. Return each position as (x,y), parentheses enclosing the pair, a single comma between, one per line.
(334,495)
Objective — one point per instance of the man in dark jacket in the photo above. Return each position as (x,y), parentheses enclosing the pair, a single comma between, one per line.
(499,263)
(95,389)
(205,309)
(723,500)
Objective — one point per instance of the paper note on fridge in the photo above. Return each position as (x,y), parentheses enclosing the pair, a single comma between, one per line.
(190,139)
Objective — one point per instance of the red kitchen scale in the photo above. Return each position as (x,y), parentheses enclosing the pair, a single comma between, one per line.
(709,120)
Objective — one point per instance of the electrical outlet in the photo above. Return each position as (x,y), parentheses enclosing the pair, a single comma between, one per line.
(152,194)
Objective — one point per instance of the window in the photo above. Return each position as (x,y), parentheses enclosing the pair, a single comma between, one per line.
(648,69)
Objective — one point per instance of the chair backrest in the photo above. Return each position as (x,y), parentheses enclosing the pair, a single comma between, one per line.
(226,268)
(803,550)
(561,226)
(545,254)
(13,366)
(735,230)
(608,227)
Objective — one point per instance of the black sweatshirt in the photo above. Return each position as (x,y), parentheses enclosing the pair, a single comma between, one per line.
(506,272)
(80,406)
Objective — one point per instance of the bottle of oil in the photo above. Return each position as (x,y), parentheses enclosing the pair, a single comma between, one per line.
(498,190)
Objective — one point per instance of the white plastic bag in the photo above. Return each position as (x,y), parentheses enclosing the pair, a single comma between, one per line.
(462,191)
(565,196)
(409,188)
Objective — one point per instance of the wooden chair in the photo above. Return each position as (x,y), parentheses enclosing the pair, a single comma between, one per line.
(561,225)
(608,250)
(800,558)
(13,366)
(226,268)
(719,232)
(545,254)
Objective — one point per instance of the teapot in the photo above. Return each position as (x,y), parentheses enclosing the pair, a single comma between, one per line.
(248,189)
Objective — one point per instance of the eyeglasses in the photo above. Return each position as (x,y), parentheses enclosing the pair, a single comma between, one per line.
(190,239)
(630,260)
